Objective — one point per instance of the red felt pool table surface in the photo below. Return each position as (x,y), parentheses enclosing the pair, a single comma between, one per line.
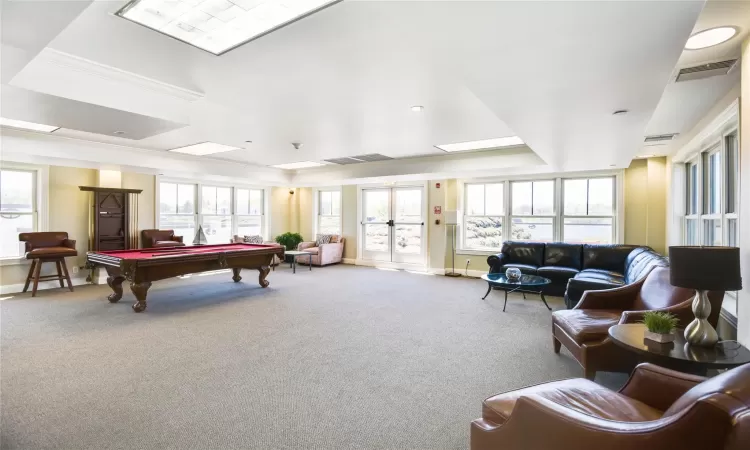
(165,252)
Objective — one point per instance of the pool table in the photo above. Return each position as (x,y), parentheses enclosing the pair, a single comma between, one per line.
(142,266)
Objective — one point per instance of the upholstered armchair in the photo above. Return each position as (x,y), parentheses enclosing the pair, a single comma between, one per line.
(323,254)
(583,330)
(657,409)
(160,238)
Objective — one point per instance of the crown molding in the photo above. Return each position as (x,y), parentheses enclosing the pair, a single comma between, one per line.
(72,62)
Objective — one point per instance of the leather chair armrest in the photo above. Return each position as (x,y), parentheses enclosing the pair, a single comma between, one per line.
(304,245)
(564,425)
(658,387)
(683,311)
(70,243)
(495,262)
(177,238)
(617,298)
(27,247)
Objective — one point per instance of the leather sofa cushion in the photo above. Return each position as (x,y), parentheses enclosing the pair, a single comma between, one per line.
(520,252)
(561,254)
(578,394)
(601,276)
(640,262)
(51,252)
(607,257)
(558,275)
(525,268)
(585,325)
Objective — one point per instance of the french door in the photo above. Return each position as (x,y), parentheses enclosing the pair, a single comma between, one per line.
(393,225)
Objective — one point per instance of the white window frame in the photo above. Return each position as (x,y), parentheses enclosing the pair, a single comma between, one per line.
(503,216)
(316,208)
(41,196)
(559,216)
(613,216)
(199,214)
(262,215)
(555,206)
(717,144)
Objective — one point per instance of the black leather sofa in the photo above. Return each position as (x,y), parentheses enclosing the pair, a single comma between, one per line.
(575,268)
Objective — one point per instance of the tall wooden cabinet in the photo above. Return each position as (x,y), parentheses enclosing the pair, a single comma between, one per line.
(113,223)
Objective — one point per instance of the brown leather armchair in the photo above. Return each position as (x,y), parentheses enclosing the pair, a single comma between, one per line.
(47,246)
(160,238)
(583,329)
(657,408)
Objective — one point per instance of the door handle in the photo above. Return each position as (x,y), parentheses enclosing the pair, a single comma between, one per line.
(391,223)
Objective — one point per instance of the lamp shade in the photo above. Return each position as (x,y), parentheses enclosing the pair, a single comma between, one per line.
(705,268)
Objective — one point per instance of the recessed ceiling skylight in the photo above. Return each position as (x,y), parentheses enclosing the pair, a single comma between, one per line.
(204,148)
(709,38)
(218,26)
(481,145)
(298,165)
(20,124)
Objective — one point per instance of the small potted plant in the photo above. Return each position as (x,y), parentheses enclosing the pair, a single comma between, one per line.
(290,241)
(660,326)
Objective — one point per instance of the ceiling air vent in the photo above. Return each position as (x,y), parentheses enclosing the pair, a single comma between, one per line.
(706,70)
(359,159)
(659,138)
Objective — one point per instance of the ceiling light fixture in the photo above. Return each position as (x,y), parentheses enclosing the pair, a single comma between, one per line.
(710,37)
(218,26)
(119,132)
(204,148)
(417,108)
(298,165)
(620,112)
(23,125)
(481,145)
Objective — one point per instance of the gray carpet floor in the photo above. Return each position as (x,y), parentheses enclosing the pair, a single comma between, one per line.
(342,357)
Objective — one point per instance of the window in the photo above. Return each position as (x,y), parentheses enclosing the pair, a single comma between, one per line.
(177,209)
(483,221)
(216,213)
(588,213)
(249,212)
(329,212)
(18,209)
(589,210)
(530,202)
(712,196)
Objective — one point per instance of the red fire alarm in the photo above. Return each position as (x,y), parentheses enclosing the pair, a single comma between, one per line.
(438,210)
(437,185)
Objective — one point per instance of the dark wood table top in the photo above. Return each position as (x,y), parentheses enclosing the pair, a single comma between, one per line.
(724,355)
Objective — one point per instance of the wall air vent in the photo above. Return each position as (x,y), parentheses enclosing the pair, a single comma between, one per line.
(659,138)
(706,70)
(359,159)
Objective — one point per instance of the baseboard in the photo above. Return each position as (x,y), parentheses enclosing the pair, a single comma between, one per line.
(349,261)
(43,285)
(465,273)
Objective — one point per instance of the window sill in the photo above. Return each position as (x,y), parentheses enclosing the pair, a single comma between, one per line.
(465,251)
(13,261)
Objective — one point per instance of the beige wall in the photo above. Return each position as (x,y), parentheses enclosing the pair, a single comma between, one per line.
(305,216)
(279,210)
(743,303)
(349,221)
(646,203)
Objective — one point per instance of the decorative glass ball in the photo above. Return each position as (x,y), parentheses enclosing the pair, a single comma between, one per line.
(513,274)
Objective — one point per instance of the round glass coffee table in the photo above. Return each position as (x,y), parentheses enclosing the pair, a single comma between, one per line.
(527,283)
(679,355)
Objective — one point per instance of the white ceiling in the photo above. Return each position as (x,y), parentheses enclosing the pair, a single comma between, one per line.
(342,81)
(683,104)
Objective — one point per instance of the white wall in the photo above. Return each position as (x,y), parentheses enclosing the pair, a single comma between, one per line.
(743,303)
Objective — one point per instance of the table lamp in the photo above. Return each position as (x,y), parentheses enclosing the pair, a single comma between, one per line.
(704,269)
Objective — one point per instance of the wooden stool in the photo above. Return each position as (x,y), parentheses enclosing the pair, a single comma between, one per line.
(48,246)
(36,267)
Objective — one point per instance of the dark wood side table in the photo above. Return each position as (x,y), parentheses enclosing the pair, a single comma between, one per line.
(678,355)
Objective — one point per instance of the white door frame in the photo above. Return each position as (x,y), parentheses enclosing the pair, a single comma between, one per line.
(361,260)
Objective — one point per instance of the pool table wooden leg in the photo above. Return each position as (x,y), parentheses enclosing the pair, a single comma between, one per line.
(262,277)
(140,290)
(115,282)
(236,274)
